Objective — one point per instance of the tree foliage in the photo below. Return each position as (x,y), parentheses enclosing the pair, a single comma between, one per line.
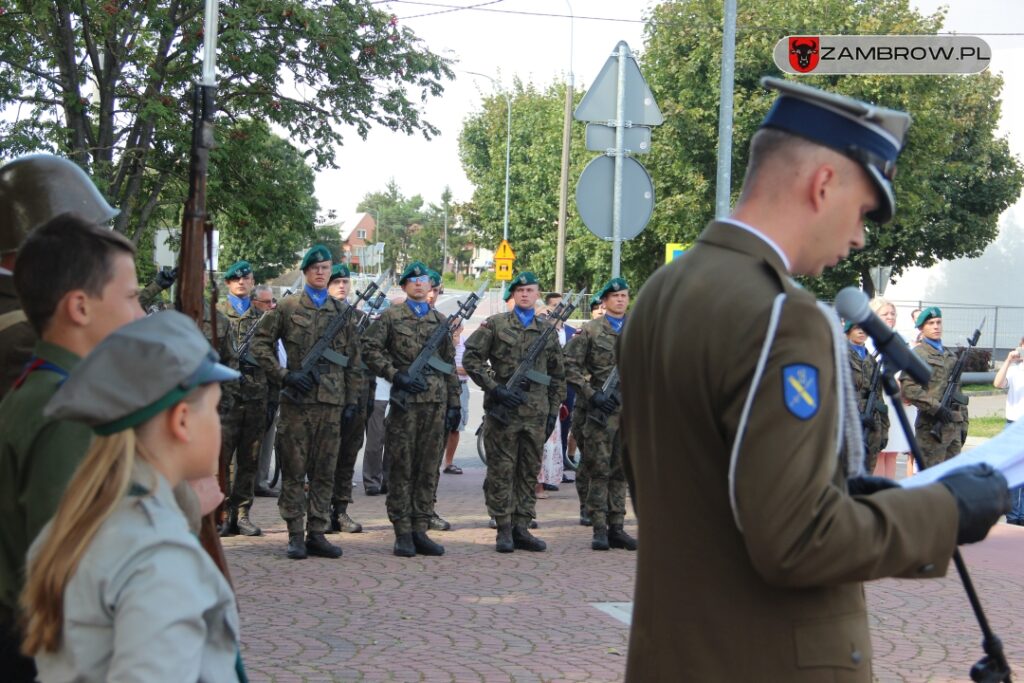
(107,84)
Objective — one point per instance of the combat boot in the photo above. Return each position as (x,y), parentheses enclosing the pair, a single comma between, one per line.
(522,539)
(585,518)
(504,543)
(425,546)
(296,548)
(600,541)
(404,547)
(617,538)
(340,521)
(438,523)
(245,526)
(317,544)
(230,525)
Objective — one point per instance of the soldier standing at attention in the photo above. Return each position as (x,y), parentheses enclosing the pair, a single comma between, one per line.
(352,435)
(738,432)
(928,399)
(242,428)
(862,370)
(589,360)
(514,451)
(437,522)
(414,437)
(313,408)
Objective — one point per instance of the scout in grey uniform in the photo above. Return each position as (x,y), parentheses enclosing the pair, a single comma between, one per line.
(514,451)
(118,558)
(312,408)
(928,399)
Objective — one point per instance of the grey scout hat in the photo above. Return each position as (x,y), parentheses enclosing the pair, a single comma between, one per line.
(138,371)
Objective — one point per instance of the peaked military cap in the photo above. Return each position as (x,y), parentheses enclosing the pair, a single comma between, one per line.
(927,314)
(523,279)
(435,278)
(340,270)
(104,390)
(237,269)
(414,269)
(616,284)
(318,253)
(872,136)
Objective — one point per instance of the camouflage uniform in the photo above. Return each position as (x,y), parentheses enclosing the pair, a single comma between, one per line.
(309,426)
(927,402)
(350,443)
(514,452)
(589,359)
(862,370)
(414,438)
(16,336)
(242,433)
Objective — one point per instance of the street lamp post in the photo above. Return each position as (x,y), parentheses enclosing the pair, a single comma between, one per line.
(508,143)
(563,183)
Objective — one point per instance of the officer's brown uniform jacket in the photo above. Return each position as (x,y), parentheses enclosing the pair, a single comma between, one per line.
(927,399)
(16,338)
(300,324)
(754,553)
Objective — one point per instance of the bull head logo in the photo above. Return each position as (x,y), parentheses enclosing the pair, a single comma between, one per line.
(803,53)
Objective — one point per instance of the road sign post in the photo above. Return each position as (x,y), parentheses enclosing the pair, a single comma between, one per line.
(504,257)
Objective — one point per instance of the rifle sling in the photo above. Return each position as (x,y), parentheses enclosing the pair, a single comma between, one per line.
(538,377)
(440,365)
(338,359)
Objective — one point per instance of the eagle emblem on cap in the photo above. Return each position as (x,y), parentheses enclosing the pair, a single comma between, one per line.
(416,271)
(522,279)
(616,287)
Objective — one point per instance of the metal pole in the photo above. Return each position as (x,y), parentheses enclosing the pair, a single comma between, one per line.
(563,190)
(444,257)
(508,150)
(620,135)
(723,184)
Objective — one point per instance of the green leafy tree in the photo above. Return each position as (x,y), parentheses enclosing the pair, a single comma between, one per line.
(396,216)
(955,176)
(105,83)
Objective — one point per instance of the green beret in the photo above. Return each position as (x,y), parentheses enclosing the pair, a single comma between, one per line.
(926,315)
(616,284)
(435,278)
(595,301)
(524,278)
(414,269)
(318,253)
(237,269)
(340,271)
(847,326)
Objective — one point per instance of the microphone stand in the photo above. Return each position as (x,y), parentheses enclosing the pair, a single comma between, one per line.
(993,667)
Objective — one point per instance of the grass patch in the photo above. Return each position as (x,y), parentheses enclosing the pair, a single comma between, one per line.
(986,426)
(980,388)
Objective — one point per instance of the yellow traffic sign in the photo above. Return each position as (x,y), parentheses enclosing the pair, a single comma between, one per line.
(503,259)
(674,250)
(504,252)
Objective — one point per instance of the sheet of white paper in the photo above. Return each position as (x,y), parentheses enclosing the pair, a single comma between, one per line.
(1004,452)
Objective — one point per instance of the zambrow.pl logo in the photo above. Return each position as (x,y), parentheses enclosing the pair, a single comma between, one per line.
(803,53)
(946,54)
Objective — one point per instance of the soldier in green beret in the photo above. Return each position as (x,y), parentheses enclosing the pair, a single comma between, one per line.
(863,367)
(314,408)
(414,437)
(589,360)
(514,451)
(243,423)
(928,399)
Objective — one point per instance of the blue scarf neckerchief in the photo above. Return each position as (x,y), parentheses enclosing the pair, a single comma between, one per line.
(240,304)
(419,308)
(317,296)
(525,315)
(937,345)
(616,323)
(861,351)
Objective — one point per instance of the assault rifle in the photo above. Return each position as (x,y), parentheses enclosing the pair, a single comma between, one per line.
(610,388)
(322,350)
(374,305)
(427,359)
(950,394)
(246,343)
(524,373)
(867,416)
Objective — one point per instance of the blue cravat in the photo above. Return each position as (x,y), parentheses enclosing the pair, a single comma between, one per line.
(525,315)
(419,308)
(861,351)
(241,305)
(616,323)
(937,345)
(317,296)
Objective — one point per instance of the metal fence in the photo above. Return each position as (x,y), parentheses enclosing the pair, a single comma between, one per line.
(1003,329)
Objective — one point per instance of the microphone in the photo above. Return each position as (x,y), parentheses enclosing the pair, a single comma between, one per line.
(852,305)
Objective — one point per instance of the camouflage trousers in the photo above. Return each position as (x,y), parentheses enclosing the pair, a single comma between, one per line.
(348,451)
(935,451)
(307,444)
(582,482)
(414,441)
(242,429)
(605,492)
(514,455)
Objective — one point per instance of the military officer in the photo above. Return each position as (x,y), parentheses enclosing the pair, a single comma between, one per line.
(737,428)
(589,360)
(927,400)
(514,450)
(314,405)
(863,369)
(242,428)
(414,436)
(352,436)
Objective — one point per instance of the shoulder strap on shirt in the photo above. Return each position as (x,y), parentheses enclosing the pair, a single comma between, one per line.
(12,318)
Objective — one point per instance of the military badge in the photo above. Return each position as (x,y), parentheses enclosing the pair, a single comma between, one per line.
(800,390)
